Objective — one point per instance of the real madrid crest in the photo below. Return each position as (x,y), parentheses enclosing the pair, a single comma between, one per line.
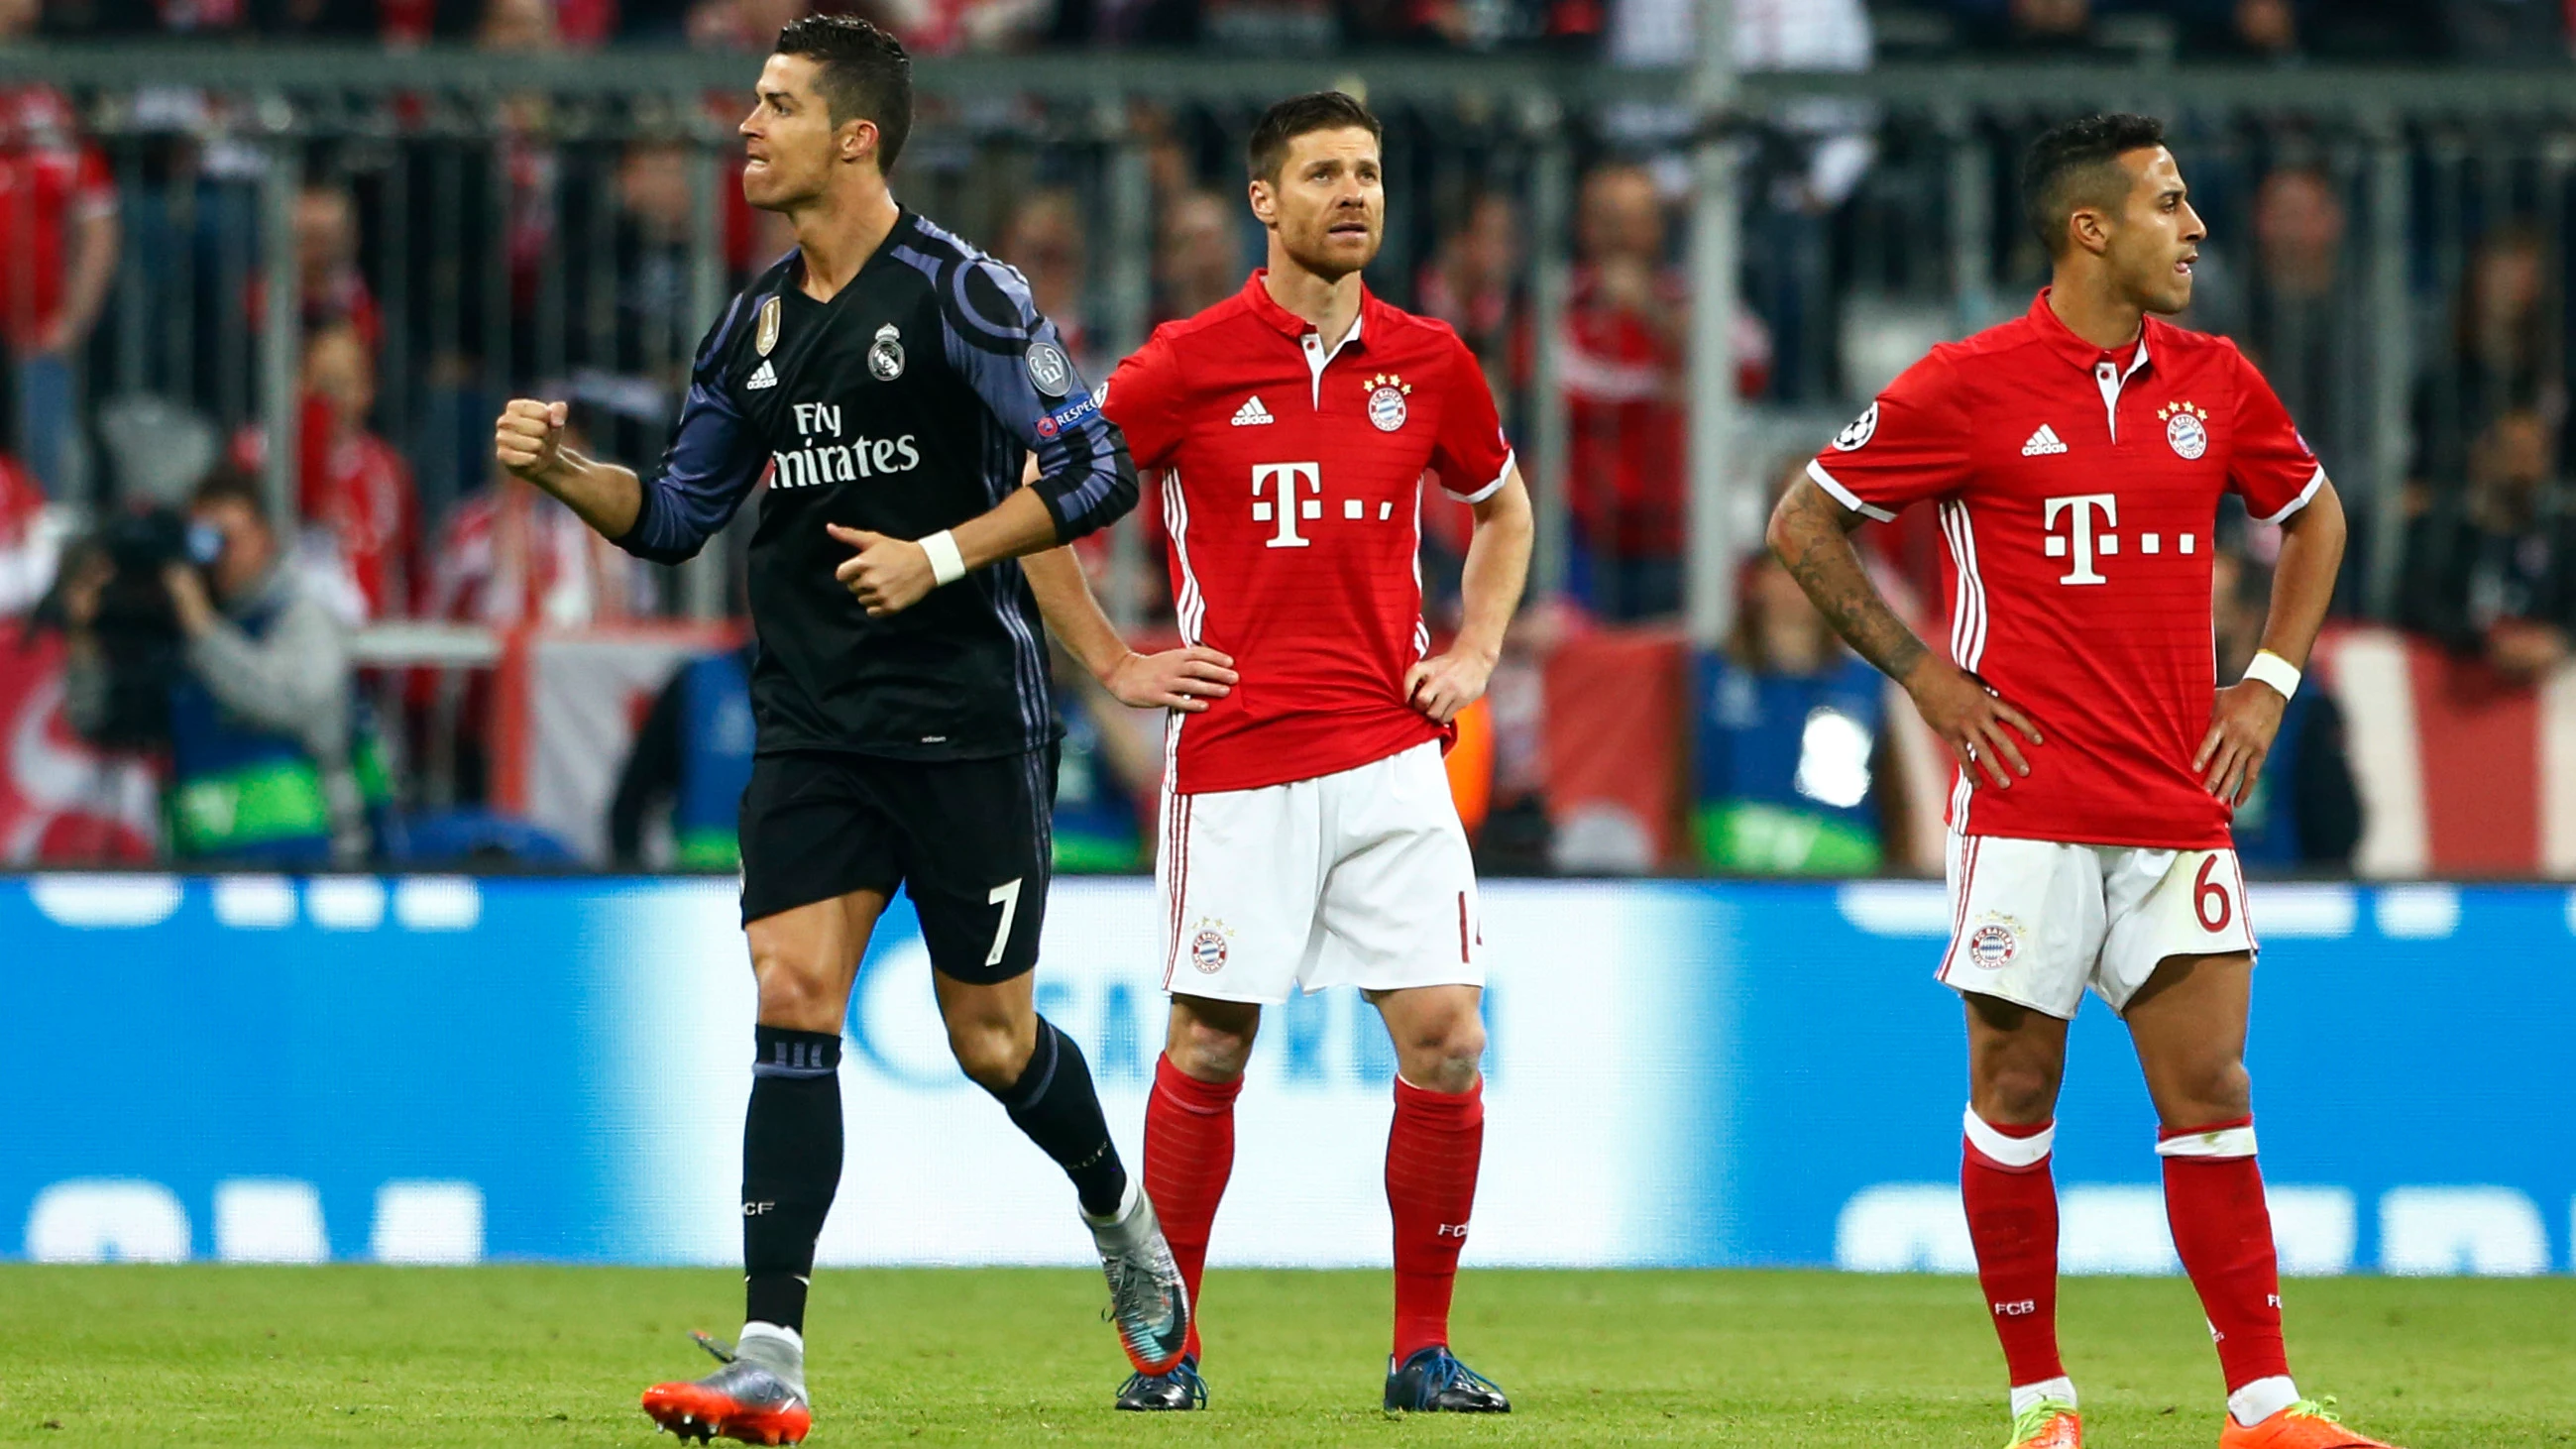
(885,355)
(765,336)
(1386,409)
(2186,428)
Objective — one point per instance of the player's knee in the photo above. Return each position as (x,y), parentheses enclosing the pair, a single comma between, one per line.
(1209,1052)
(2018,1092)
(2220,1091)
(1442,1055)
(794,995)
(991,1051)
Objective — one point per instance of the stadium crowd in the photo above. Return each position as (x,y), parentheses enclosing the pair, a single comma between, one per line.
(132,306)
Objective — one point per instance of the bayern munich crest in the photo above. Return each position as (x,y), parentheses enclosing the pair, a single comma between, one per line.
(2186,428)
(885,355)
(1993,945)
(1386,407)
(1207,950)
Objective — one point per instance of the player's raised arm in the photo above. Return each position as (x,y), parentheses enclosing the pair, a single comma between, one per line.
(1810,533)
(708,468)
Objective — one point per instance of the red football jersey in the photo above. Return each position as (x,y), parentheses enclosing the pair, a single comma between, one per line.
(1295,526)
(2077,489)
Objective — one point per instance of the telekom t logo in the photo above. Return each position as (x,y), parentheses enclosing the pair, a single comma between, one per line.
(1282,480)
(2086,543)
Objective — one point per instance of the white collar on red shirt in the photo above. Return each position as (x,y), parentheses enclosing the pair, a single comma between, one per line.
(1256,296)
(2102,362)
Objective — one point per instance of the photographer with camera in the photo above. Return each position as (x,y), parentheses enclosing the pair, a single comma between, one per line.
(194,633)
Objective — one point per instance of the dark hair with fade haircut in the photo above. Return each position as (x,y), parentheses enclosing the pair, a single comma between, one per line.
(2076,164)
(863,72)
(1302,115)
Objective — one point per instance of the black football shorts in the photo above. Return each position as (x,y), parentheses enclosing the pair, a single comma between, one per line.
(970,841)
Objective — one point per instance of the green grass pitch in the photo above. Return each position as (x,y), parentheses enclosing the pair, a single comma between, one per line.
(556,1356)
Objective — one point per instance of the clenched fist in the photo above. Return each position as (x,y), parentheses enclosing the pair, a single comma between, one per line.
(528,439)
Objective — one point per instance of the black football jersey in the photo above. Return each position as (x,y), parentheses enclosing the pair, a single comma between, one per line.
(906,404)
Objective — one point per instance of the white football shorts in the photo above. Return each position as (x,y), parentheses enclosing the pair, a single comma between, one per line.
(2037,921)
(1360,878)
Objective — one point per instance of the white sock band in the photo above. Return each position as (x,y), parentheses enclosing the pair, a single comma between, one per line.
(2225,1142)
(2026,1395)
(2261,1399)
(2008,1151)
(947,565)
(2275,671)
(784,1334)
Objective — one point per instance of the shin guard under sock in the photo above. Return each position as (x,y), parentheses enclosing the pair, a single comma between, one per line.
(791,1166)
(2222,1228)
(1189,1154)
(1433,1150)
(1055,1104)
(2011,1199)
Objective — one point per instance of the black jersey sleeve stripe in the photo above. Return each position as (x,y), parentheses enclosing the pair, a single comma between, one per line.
(989,326)
(709,466)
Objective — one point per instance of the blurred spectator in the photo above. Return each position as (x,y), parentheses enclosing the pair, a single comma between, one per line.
(31,540)
(2304,810)
(1043,238)
(264,764)
(1198,255)
(692,759)
(2492,569)
(740,24)
(1473,283)
(1626,321)
(2299,321)
(58,243)
(354,487)
(2045,24)
(2501,356)
(509,554)
(2505,32)
(1792,747)
(334,291)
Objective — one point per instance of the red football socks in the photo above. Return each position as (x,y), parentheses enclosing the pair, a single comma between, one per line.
(1433,1149)
(2011,1200)
(1189,1154)
(2223,1230)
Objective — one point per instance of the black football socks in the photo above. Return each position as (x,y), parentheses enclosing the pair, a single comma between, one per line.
(791,1165)
(1053,1102)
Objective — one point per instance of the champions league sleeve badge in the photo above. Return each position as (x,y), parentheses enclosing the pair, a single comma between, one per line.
(885,355)
(1857,431)
(1049,372)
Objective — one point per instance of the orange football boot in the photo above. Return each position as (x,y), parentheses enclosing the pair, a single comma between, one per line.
(742,1400)
(2307,1424)
(2048,1424)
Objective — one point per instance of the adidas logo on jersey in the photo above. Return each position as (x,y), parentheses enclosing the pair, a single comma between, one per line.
(763,376)
(1252,414)
(2042,443)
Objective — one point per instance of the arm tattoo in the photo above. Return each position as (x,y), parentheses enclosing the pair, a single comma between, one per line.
(1814,544)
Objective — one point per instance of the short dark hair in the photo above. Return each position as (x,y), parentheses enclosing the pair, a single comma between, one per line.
(2076,164)
(863,72)
(1301,115)
(231,483)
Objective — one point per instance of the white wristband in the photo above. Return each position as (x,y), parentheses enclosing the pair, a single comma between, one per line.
(2275,671)
(947,565)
